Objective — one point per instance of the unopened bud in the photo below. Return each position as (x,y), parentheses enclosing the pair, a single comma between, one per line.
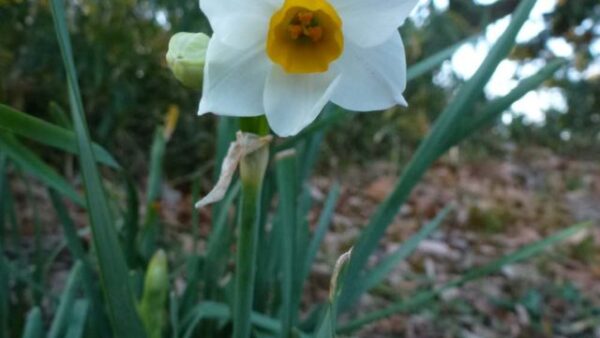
(154,300)
(186,57)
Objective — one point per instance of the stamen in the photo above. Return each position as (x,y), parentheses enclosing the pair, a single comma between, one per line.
(295,31)
(305,17)
(315,33)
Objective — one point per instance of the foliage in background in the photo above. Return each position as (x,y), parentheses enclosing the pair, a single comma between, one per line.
(127,86)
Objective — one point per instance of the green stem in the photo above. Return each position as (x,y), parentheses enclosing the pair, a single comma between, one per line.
(252,170)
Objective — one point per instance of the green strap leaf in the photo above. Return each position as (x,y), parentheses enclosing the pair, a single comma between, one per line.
(377,274)
(286,182)
(47,133)
(34,325)
(65,308)
(32,164)
(442,132)
(113,269)
(493,109)
(77,319)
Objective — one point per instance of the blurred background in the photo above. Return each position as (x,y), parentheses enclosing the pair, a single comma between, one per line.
(537,169)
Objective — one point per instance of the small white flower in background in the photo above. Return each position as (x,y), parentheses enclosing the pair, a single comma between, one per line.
(287,58)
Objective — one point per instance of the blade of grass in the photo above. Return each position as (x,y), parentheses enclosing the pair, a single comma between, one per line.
(286,183)
(32,164)
(34,324)
(429,149)
(77,320)
(47,133)
(113,269)
(426,297)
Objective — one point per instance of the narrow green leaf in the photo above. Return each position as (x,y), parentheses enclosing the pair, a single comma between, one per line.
(34,325)
(65,308)
(377,274)
(252,171)
(47,133)
(39,255)
(4,293)
(99,320)
(436,59)
(151,225)
(25,277)
(226,128)
(4,187)
(77,319)
(269,270)
(428,151)
(327,327)
(328,324)
(426,297)
(60,117)
(131,228)
(33,165)
(214,310)
(195,213)
(286,183)
(493,109)
(322,226)
(217,249)
(173,314)
(113,269)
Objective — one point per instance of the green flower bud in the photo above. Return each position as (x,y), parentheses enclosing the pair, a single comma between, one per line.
(154,300)
(186,56)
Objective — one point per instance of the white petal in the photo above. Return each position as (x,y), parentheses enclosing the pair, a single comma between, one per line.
(239,23)
(234,80)
(292,101)
(372,78)
(371,22)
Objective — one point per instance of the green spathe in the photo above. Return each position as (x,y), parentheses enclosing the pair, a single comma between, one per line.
(186,57)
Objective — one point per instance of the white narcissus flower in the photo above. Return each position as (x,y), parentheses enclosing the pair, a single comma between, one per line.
(287,58)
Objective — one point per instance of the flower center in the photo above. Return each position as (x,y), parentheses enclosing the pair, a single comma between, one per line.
(305,36)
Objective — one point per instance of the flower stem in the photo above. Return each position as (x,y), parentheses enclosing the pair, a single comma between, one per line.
(252,170)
